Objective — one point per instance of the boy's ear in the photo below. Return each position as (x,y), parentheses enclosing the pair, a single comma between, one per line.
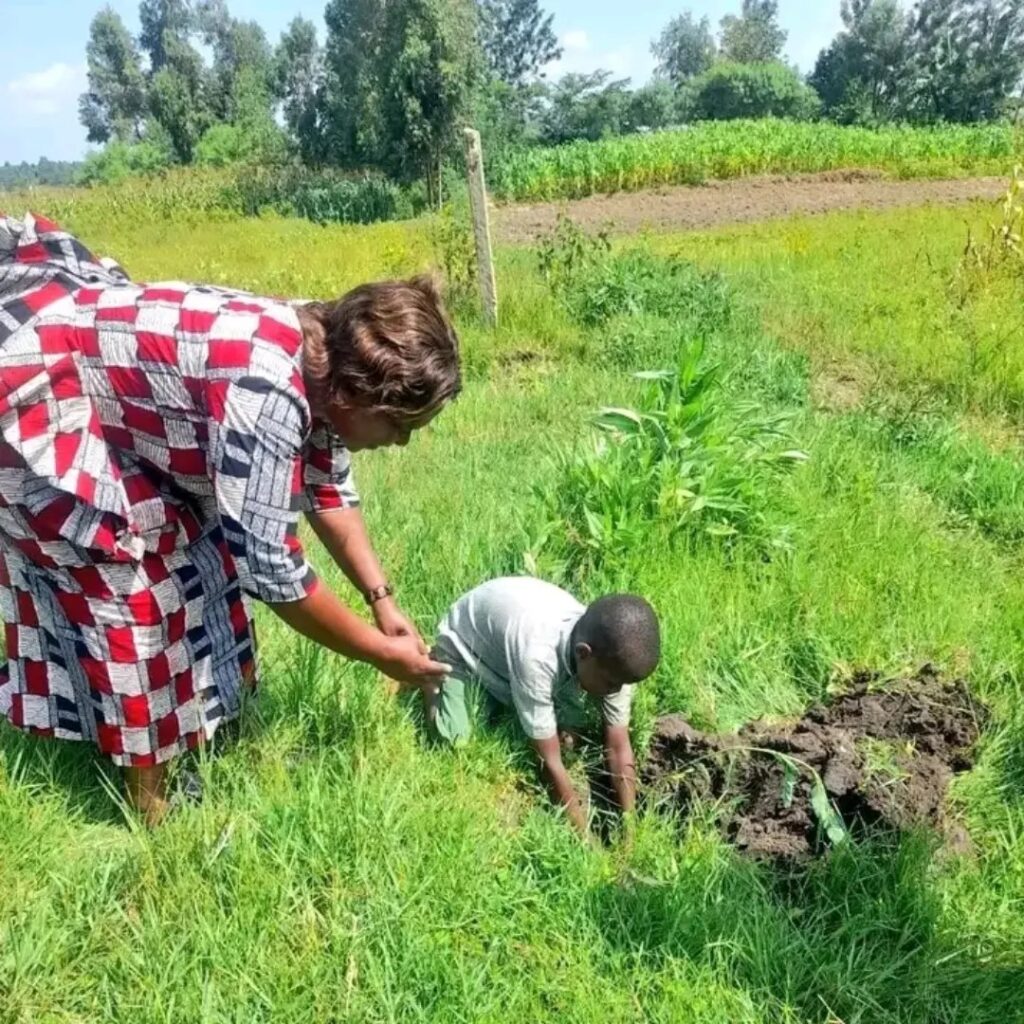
(583,651)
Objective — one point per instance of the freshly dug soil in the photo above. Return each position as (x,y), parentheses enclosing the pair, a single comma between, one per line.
(883,757)
(688,208)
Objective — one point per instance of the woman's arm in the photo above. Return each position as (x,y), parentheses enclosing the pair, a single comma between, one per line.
(323,618)
(343,532)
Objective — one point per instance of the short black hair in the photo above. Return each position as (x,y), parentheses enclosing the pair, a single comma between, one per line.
(622,629)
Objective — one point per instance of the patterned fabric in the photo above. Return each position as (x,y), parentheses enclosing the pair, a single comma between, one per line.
(156,451)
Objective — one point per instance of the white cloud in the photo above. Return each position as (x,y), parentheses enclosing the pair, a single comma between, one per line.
(579,57)
(577,39)
(49,91)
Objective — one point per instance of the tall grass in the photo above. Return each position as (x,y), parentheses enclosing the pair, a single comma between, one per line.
(341,870)
(189,194)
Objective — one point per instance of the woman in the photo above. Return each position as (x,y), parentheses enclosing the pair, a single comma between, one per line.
(157,444)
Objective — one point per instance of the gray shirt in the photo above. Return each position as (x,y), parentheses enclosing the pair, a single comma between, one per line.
(513,635)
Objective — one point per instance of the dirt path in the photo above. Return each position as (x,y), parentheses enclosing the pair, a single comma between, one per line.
(732,202)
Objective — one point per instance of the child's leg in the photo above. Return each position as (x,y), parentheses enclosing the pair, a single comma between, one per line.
(147,792)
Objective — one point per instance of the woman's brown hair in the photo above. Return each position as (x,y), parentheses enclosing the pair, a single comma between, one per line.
(388,346)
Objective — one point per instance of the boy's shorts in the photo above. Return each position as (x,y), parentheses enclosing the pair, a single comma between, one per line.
(456,701)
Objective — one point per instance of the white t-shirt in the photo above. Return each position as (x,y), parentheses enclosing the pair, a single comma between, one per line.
(514,636)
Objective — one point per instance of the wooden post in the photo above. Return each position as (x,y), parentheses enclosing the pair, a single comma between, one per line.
(481,225)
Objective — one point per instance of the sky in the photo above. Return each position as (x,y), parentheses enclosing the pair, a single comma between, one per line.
(43,68)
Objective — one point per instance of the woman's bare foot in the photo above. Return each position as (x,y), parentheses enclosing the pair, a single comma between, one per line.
(147,792)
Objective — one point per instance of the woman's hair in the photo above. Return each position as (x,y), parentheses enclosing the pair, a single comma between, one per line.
(388,346)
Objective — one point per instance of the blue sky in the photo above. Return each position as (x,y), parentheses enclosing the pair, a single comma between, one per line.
(43,69)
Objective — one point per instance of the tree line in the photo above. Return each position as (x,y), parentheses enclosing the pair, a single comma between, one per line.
(393,80)
(42,172)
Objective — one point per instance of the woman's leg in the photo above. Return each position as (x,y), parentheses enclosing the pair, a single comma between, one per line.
(147,792)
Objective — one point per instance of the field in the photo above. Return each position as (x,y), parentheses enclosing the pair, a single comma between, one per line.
(340,870)
(732,149)
(714,151)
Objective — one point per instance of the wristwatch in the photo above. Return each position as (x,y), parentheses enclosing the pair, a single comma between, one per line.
(378,593)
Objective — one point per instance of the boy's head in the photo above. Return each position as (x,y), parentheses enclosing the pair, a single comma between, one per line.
(616,642)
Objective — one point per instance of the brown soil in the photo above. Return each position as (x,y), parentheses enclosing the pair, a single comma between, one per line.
(884,758)
(739,201)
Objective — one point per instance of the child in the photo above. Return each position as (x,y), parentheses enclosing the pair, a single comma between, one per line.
(532,645)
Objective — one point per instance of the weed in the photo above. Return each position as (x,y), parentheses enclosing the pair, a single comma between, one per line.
(687,460)
(451,235)
(883,760)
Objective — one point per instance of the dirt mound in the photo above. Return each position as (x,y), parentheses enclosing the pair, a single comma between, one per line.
(869,758)
(684,207)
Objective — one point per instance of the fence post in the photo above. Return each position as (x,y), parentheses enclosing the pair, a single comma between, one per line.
(481,225)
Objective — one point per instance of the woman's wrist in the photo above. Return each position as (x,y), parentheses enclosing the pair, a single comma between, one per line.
(378,594)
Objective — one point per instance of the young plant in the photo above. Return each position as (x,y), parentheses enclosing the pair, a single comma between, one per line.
(686,460)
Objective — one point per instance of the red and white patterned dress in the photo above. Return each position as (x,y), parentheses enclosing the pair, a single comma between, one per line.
(156,451)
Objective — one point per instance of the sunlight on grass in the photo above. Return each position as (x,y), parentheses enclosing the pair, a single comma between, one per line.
(341,870)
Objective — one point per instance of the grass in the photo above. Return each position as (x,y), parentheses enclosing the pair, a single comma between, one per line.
(338,869)
(872,299)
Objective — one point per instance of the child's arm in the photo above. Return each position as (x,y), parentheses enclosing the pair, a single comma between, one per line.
(618,753)
(560,786)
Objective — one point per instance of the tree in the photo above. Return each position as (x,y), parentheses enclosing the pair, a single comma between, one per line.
(353,75)
(400,75)
(298,83)
(518,40)
(755,35)
(585,106)
(434,64)
(860,77)
(766,89)
(178,98)
(966,58)
(114,106)
(164,23)
(652,106)
(242,71)
(685,48)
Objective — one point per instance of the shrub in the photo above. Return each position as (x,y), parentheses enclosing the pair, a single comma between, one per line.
(728,91)
(688,460)
(120,160)
(598,286)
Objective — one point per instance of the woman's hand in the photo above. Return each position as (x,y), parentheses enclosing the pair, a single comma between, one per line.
(403,658)
(391,621)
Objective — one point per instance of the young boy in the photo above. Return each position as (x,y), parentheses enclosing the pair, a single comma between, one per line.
(532,645)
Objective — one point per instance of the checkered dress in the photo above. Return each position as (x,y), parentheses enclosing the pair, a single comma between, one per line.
(156,451)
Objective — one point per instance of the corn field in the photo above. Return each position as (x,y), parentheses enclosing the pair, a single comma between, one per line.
(732,149)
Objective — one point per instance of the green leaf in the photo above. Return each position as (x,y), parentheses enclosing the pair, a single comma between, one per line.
(625,421)
(788,782)
(826,813)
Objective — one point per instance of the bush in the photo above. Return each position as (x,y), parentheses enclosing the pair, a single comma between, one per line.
(728,91)
(688,461)
(321,196)
(598,286)
(226,144)
(120,160)
(651,107)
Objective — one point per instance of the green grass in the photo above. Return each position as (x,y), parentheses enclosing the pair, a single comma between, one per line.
(339,870)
